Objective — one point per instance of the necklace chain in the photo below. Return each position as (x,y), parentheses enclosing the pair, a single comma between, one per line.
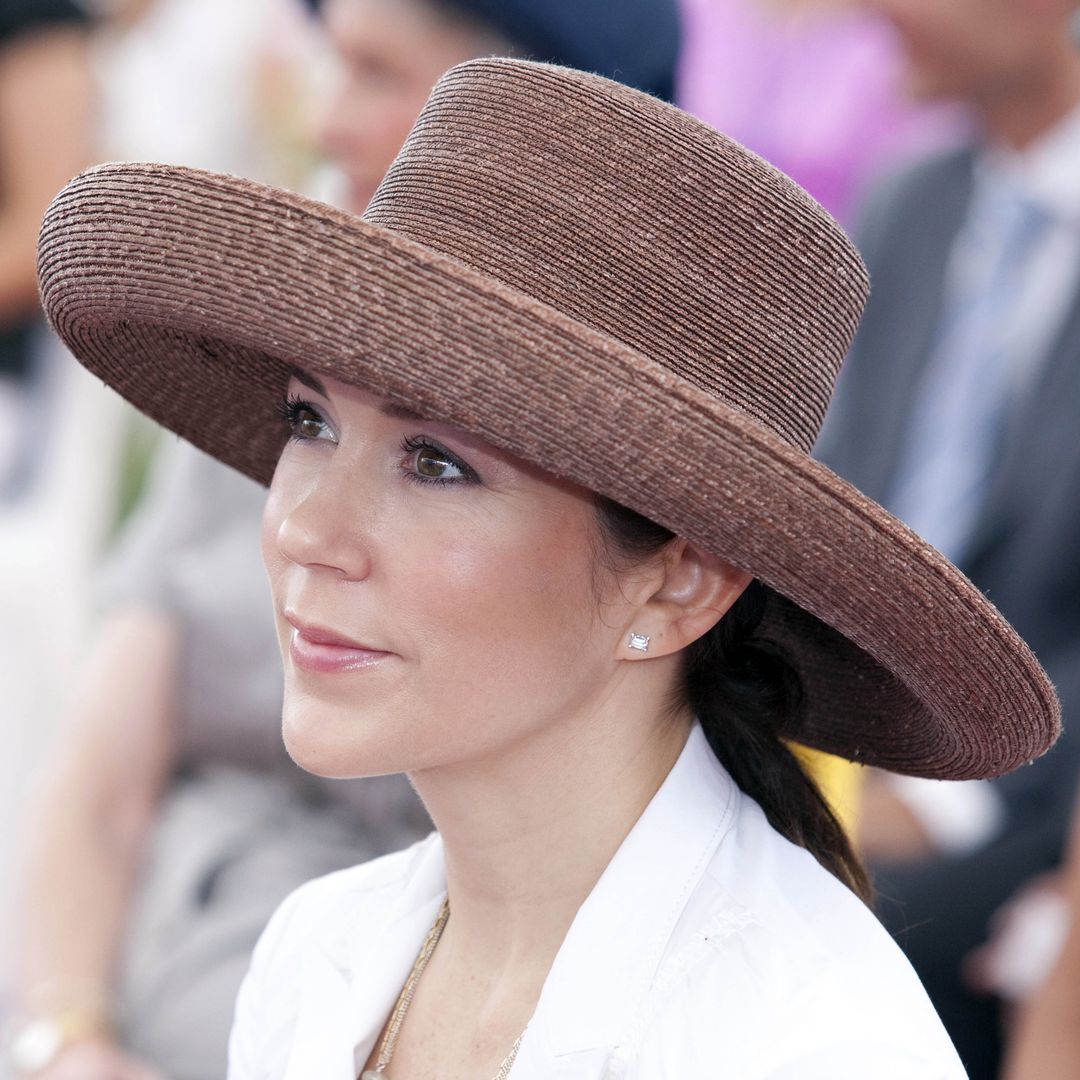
(401,1007)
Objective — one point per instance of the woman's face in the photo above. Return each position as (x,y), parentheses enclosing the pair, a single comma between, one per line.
(390,54)
(437,601)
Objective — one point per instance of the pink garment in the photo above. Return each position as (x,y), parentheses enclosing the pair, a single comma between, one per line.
(817,93)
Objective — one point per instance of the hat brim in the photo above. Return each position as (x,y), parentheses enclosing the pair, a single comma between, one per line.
(195,295)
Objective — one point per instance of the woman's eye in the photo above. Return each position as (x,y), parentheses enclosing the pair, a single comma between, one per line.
(304,420)
(427,463)
(435,466)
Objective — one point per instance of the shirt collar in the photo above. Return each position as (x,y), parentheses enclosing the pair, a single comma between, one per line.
(1045,171)
(602,973)
(380,952)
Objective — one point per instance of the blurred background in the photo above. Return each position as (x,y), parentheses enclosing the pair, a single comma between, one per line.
(149,819)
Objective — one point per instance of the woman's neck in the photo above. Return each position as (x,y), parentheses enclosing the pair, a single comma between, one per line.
(527,836)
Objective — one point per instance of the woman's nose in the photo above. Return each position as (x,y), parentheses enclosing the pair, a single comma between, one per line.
(316,532)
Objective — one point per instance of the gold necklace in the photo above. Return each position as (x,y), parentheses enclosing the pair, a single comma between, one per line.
(401,1007)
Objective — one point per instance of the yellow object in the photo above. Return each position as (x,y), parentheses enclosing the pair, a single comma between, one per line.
(839,780)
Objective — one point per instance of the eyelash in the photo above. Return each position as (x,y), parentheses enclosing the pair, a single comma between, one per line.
(291,410)
(293,407)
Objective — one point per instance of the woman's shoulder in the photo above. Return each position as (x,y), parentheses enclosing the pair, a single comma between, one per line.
(774,1010)
(781,968)
(306,940)
(327,906)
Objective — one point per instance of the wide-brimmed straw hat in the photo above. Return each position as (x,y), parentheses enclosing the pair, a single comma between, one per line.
(600,284)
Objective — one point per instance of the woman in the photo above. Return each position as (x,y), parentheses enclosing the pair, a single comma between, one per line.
(547,407)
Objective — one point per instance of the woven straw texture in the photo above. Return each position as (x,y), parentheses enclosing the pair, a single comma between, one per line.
(602,285)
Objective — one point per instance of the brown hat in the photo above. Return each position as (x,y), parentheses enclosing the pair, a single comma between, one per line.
(602,285)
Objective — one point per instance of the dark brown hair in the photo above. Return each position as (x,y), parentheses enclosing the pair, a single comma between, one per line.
(744,691)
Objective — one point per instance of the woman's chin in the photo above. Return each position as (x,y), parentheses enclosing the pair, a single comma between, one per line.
(318,749)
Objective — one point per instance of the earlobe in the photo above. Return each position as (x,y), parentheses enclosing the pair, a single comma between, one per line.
(697,590)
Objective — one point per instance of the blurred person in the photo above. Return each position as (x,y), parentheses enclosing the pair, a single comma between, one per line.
(387,50)
(814,86)
(46,128)
(957,408)
(169,823)
(1044,1035)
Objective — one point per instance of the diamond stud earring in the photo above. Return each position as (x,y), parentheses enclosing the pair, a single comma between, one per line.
(640,642)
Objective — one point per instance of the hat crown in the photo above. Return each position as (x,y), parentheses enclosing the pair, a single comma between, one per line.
(640,221)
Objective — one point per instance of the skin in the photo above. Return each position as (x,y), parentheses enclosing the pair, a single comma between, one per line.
(482,590)
(390,54)
(46,100)
(1012,61)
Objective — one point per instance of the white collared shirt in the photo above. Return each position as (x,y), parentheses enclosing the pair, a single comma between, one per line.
(710,948)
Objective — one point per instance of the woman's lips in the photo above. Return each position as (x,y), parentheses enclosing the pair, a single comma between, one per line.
(323,652)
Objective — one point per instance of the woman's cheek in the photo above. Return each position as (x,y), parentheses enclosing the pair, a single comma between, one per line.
(272,559)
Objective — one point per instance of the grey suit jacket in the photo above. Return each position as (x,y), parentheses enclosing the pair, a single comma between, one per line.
(1025,553)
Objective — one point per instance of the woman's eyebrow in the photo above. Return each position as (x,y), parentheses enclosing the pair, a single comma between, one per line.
(309,381)
(399,412)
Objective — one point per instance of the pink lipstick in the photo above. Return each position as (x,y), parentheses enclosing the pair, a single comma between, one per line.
(322,651)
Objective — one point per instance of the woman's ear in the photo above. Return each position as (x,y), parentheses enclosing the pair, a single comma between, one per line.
(696,589)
